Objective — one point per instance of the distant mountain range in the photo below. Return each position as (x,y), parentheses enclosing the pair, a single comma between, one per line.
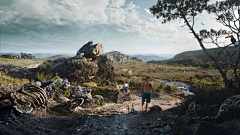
(149,57)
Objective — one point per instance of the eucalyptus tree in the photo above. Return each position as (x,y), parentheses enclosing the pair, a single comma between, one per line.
(227,13)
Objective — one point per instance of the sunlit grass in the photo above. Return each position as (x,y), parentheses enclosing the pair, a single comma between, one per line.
(166,72)
(5,79)
(19,62)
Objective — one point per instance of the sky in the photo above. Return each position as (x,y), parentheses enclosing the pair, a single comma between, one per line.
(64,26)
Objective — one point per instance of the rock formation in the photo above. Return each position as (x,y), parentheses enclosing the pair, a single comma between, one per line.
(85,65)
(137,59)
(117,56)
(90,51)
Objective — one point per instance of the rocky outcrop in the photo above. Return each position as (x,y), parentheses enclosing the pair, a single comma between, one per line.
(76,68)
(90,51)
(105,67)
(117,56)
(137,59)
(85,65)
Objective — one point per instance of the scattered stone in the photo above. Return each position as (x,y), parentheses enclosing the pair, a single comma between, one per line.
(107,82)
(155,108)
(98,99)
(37,83)
(167,128)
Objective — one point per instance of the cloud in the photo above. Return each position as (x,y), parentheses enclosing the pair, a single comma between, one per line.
(117,3)
(147,11)
(74,22)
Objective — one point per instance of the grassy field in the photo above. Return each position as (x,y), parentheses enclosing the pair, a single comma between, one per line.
(25,62)
(20,62)
(208,81)
(171,73)
(56,57)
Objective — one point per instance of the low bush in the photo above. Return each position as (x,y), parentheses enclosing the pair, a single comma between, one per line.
(6,79)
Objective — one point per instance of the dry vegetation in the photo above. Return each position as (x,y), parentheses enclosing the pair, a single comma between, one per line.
(19,62)
(166,72)
(208,81)
(6,79)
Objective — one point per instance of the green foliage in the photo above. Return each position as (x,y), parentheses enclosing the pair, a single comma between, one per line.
(187,62)
(60,92)
(45,76)
(58,83)
(207,65)
(46,66)
(172,88)
(227,13)
(162,86)
(173,9)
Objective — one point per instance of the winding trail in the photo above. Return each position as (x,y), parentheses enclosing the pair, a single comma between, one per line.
(128,118)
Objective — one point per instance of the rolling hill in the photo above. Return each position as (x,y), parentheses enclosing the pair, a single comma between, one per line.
(149,57)
(197,55)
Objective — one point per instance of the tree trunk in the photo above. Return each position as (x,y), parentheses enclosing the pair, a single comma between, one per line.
(227,82)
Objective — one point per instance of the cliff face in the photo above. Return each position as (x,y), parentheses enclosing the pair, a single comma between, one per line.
(117,56)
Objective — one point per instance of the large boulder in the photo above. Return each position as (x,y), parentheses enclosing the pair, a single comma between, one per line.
(90,51)
(105,67)
(76,68)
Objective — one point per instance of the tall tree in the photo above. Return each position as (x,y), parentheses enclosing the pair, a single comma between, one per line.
(187,10)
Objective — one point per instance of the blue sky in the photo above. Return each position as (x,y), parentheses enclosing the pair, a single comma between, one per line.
(53,26)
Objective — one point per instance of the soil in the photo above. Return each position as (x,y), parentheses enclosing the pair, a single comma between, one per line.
(112,118)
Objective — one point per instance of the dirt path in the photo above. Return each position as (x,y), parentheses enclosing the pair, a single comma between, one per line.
(33,65)
(128,118)
(109,119)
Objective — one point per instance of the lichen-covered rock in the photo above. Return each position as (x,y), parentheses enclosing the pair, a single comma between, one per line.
(117,56)
(90,51)
(98,98)
(76,68)
(37,83)
(50,92)
(105,67)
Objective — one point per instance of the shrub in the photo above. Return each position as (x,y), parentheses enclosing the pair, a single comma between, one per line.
(207,65)
(5,79)
(162,86)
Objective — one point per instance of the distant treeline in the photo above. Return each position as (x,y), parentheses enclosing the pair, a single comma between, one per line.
(187,62)
(21,56)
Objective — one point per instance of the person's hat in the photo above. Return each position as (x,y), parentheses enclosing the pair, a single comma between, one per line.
(148,76)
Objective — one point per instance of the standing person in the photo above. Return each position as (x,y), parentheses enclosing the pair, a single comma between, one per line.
(125,87)
(145,92)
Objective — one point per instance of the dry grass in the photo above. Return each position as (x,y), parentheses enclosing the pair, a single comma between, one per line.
(165,72)
(5,79)
(19,62)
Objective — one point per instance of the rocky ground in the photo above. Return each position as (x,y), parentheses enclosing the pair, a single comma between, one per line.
(111,118)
